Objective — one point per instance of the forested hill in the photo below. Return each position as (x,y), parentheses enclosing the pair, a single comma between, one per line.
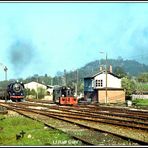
(131,67)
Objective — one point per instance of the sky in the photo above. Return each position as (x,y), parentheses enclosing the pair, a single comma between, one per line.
(44,38)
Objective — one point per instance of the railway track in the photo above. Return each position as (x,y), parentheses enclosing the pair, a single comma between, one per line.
(104,109)
(80,121)
(94,107)
(143,125)
(79,132)
(103,114)
(109,118)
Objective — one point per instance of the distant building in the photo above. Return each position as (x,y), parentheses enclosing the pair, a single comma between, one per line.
(50,89)
(34,85)
(95,88)
(142,95)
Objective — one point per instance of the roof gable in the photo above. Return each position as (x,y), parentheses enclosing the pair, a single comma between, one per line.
(92,77)
(33,82)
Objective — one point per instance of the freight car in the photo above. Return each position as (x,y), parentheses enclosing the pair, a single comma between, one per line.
(64,95)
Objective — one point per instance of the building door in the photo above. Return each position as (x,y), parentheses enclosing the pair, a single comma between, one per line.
(95,96)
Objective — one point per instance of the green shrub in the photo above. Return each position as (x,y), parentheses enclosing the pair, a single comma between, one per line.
(41,92)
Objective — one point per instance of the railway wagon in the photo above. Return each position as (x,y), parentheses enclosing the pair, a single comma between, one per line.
(64,95)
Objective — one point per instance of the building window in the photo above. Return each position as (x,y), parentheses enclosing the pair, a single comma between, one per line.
(99,83)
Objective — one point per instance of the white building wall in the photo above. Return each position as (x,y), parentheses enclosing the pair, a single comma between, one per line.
(112,81)
(34,85)
(139,96)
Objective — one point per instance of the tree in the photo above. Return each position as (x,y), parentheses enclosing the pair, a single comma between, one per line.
(128,85)
(80,87)
(45,80)
(119,71)
(41,92)
(30,93)
(46,75)
(120,59)
(143,77)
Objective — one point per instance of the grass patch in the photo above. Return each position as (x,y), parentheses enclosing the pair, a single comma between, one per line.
(140,102)
(35,133)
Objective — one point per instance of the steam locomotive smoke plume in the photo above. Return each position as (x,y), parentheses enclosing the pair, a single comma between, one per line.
(20,55)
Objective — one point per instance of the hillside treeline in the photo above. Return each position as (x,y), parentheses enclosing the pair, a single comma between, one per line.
(129,69)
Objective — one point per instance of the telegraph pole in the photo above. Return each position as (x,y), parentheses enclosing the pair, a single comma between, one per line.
(5,69)
(65,81)
(51,81)
(106,101)
(76,87)
(37,87)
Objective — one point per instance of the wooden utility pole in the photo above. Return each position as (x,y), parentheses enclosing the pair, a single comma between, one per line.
(65,80)
(5,69)
(106,101)
(76,87)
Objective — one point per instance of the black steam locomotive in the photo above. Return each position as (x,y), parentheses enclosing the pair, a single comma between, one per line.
(14,92)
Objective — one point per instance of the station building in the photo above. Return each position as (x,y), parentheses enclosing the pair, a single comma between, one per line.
(96,90)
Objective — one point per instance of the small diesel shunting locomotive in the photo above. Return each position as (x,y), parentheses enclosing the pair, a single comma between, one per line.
(15,91)
(64,95)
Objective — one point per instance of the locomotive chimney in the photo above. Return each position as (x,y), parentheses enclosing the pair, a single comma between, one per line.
(110,69)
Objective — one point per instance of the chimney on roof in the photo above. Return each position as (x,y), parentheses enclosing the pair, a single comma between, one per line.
(110,69)
(101,68)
